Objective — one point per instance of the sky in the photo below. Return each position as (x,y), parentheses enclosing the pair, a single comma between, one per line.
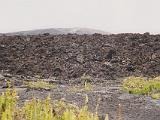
(114,16)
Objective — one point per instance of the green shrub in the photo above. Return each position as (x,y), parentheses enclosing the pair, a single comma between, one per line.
(135,85)
(139,85)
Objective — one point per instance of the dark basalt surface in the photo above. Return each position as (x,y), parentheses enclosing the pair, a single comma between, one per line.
(70,56)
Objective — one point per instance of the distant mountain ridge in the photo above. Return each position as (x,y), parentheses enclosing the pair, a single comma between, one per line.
(57,31)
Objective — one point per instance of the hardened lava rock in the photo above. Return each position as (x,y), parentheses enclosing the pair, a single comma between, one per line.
(71,56)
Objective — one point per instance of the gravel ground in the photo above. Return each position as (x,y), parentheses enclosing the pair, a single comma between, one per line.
(118,104)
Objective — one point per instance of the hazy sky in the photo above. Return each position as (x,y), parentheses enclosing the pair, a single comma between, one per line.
(110,15)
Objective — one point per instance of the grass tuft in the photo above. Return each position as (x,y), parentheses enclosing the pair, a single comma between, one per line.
(84,88)
(86,78)
(40,85)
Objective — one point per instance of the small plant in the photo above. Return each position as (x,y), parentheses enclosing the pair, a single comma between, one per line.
(86,78)
(85,85)
(106,118)
(83,88)
(40,85)
(88,87)
(6,84)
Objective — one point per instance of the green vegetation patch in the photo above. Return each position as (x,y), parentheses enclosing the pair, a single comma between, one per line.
(143,86)
(36,109)
(155,95)
(40,85)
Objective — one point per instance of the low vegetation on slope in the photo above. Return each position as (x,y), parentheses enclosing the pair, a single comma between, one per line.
(144,86)
(40,85)
(36,109)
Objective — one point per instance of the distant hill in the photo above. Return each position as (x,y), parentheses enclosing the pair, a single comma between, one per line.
(57,31)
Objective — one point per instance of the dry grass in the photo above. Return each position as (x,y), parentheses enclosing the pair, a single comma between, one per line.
(40,85)
(36,109)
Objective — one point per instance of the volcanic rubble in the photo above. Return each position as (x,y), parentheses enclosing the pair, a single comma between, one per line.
(70,56)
